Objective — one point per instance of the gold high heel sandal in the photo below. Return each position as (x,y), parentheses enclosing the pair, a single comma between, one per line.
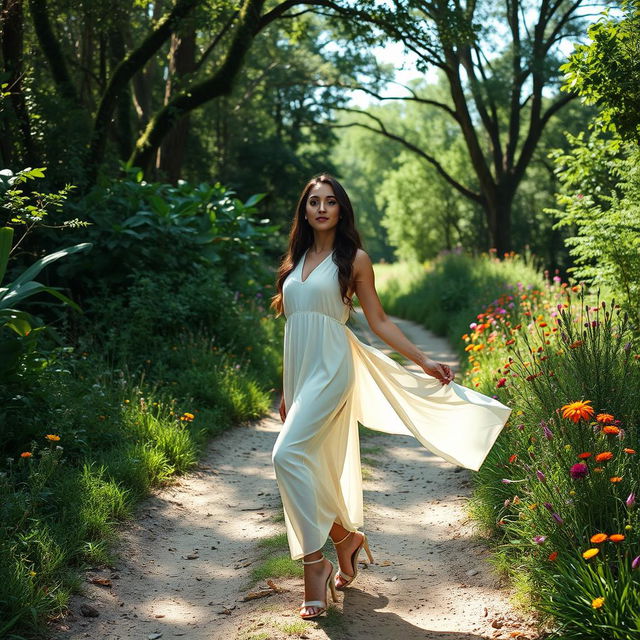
(354,559)
(321,605)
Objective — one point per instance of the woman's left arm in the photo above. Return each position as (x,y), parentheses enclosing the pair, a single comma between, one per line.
(386,329)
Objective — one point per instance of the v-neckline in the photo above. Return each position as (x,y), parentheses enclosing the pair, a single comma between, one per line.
(303,260)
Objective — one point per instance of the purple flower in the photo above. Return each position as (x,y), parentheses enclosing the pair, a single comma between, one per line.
(506,481)
(627,347)
(541,476)
(635,562)
(579,470)
(548,434)
(557,518)
(520,427)
(548,506)
(631,499)
(539,539)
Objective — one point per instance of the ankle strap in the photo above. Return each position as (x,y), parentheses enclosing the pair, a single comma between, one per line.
(313,561)
(343,539)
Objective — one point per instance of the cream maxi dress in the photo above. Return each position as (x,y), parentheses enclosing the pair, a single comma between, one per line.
(332,381)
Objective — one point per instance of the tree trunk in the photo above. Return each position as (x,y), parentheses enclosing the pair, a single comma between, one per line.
(218,85)
(123,74)
(182,61)
(52,51)
(498,212)
(12,53)
(123,131)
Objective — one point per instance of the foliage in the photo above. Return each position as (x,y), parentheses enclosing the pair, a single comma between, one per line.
(143,227)
(599,177)
(606,71)
(83,440)
(560,486)
(599,199)
(19,330)
(444,294)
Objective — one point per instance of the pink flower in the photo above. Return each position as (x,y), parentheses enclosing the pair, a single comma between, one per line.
(579,470)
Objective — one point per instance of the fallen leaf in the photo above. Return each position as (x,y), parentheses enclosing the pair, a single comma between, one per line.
(104,582)
(252,595)
(275,587)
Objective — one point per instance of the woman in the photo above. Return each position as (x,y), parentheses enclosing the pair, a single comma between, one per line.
(332,381)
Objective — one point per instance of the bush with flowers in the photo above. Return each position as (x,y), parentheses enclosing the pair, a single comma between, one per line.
(560,486)
(558,493)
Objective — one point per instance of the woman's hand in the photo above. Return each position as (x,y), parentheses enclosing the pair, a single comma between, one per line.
(438,370)
(283,410)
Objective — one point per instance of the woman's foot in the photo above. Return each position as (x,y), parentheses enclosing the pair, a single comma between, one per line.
(315,586)
(344,551)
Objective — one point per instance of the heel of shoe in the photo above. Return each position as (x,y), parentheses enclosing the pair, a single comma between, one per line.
(365,543)
(332,586)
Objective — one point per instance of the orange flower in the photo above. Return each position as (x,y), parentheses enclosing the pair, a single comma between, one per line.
(598,537)
(589,553)
(576,344)
(616,537)
(616,479)
(605,455)
(586,454)
(604,417)
(613,430)
(627,450)
(553,555)
(576,410)
(598,469)
(510,341)
(513,457)
(596,603)
(542,324)
(52,437)
(25,454)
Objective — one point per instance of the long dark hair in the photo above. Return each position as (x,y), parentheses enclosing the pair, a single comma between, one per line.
(346,243)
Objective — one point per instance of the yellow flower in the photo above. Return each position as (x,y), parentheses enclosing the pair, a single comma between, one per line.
(596,603)
(52,437)
(589,553)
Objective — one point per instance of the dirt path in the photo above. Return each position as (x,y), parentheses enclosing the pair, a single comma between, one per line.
(186,561)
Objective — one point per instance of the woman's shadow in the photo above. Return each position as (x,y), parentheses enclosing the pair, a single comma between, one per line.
(362,618)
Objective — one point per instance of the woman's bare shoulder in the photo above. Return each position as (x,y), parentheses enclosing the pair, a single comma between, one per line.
(361,260)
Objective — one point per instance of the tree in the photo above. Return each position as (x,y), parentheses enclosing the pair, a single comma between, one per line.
(600,175)
(498,59)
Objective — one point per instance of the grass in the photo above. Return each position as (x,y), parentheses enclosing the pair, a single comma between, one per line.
(121,434)
(276,561)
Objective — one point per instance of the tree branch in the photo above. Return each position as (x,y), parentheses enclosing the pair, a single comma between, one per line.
(220,83)
(465,191)
(51,49)
(123,73)
(216,40)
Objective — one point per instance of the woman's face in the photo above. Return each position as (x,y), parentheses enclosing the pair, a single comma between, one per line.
(323,210)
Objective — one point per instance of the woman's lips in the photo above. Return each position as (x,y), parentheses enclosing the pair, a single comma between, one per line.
(321,218)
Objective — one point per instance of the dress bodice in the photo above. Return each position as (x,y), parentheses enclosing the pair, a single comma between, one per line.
(319,293)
